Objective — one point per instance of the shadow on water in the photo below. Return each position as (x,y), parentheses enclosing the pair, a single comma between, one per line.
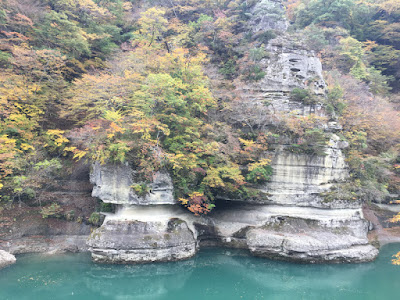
(212,274)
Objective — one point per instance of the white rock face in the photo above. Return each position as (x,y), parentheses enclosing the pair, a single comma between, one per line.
(6,259)
(292,233)
(294,225)
(290,67)
(113,184)
(299,179)
(311,241)
(287,66)
(124,239)
(314,247)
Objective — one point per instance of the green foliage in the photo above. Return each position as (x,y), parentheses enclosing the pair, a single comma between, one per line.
(94,219)
(313,142)
(48,166)
(257,54)
(141,189)
(228,69)
(259,174)
(253,73)
(268,9)
(338,12)
(70,215)
(265,36)
(303,95)
(315,37)
(54,211)
(378,83)
(106,207)
(4,59)
(57,30)
(334,101)
(370,36)
(150,106)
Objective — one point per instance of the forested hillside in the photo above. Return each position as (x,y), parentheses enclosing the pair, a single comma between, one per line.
(160,85)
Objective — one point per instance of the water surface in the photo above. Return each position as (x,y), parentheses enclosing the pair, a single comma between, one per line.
(212,274)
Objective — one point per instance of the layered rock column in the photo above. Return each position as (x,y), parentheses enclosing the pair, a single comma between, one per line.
(144,228)
(293,221)
(292,224)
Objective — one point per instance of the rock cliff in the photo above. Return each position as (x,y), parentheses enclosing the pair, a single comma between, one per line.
(278,228)
(292,221)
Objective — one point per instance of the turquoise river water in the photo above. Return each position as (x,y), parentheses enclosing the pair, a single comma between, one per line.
(212,274)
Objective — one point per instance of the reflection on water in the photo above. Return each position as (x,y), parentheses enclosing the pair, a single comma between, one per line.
(213,274)
(152,281)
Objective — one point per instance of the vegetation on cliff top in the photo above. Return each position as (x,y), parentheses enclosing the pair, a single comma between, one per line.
(119,81)
(122,81)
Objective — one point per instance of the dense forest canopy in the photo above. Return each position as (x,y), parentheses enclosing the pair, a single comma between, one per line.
(157,84)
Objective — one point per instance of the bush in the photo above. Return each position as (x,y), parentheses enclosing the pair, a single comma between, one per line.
(253,73)
(303,95)
(4,59)
(259,175)
(228,69)
(70,215)
(94,218)
(141,189)
(257,54)
(106,207)
(334,101)
(313,142)
(265,36)
(54,211)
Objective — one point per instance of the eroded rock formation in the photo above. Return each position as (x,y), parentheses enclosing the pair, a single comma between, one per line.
(310,231)
(292,221)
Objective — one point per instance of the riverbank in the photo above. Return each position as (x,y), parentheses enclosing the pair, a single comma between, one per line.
(24,230)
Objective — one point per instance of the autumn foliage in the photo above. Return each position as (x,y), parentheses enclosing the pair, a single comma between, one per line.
(108,82)
(159,87)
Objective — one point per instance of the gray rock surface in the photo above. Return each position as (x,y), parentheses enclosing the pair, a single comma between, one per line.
(113,184)
(310,241)
(268,15)
(292,233)
(6,259)
(287,66)
(124,241)
(50,244)
(299,179)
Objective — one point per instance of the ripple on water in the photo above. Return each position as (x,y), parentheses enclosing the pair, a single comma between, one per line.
(212,274)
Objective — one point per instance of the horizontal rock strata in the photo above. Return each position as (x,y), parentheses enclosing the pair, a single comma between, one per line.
(124,241)
(292,230)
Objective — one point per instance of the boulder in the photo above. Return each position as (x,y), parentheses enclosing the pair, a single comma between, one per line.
(6,259)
